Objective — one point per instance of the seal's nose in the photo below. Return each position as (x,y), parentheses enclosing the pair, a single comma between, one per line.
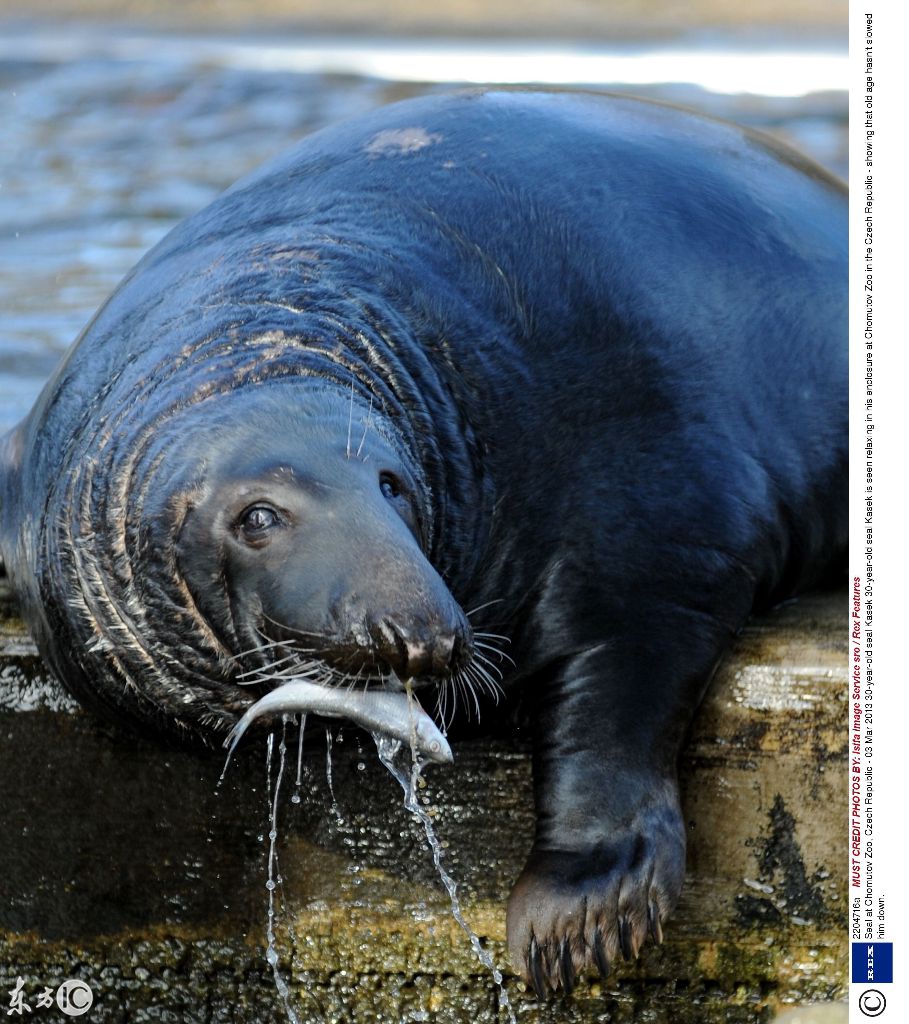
(419,652)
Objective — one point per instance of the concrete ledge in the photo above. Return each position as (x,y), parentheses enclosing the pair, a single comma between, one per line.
(121,864)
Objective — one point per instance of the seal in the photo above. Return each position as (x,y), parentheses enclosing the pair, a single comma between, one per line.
(565,368)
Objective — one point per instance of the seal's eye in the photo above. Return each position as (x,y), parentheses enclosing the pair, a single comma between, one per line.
(257,520)
(390,484)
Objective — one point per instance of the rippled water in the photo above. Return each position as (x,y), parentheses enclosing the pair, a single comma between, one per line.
(109,140)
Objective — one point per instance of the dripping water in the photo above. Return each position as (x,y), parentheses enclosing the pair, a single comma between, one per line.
(335,808)
(389,754)
(295,798)
(274,879)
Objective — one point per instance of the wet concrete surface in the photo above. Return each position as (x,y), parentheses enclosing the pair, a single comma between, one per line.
(125,864)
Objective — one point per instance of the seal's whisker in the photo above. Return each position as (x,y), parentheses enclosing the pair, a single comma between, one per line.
(271,673)
(359,675)
(492,666)
(457,693)
(293,662)
(270,666)
(441,703)
(502,656)
(472,691)
(451,696)
(453,693)
(486,681)
(477,671)
(301,670)
(292,629)
(293,668)
(492,636)
(486,678)
(306,667)
(466,688)
(350,417)
(365,428)
(253,650)
(258,646)
(314,669)
(488,667)
(480,607)
(266,667)
(263,677)
(475,680)
(291,644)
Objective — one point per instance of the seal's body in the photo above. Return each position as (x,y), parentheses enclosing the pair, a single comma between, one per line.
(576,362)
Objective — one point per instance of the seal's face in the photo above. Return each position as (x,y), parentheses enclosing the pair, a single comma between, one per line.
(261,535)
(303,551)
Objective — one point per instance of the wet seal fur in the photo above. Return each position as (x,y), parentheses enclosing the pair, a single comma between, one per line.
(576,363)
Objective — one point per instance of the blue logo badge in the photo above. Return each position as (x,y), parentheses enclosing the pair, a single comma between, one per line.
(872,962)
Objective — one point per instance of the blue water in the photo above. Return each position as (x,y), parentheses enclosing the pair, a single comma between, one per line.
(110,138)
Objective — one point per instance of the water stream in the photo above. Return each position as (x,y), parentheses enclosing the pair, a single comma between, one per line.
(391,754)
(298,782)
(274,877)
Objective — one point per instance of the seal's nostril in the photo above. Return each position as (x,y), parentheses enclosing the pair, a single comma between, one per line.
(444,653)
(418,648)
(420,660)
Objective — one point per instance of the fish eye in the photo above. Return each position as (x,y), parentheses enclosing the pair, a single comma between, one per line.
(255,521)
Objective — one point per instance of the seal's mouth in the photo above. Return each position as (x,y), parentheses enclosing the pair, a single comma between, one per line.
(301,679)
(395,713)
(347,677)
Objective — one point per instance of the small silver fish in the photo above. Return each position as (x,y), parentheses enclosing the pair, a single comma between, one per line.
(390,713)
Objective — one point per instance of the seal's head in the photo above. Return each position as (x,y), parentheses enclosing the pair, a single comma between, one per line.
(317,537)
(275,533)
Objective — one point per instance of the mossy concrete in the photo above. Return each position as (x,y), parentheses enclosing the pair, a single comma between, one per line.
(126,865)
